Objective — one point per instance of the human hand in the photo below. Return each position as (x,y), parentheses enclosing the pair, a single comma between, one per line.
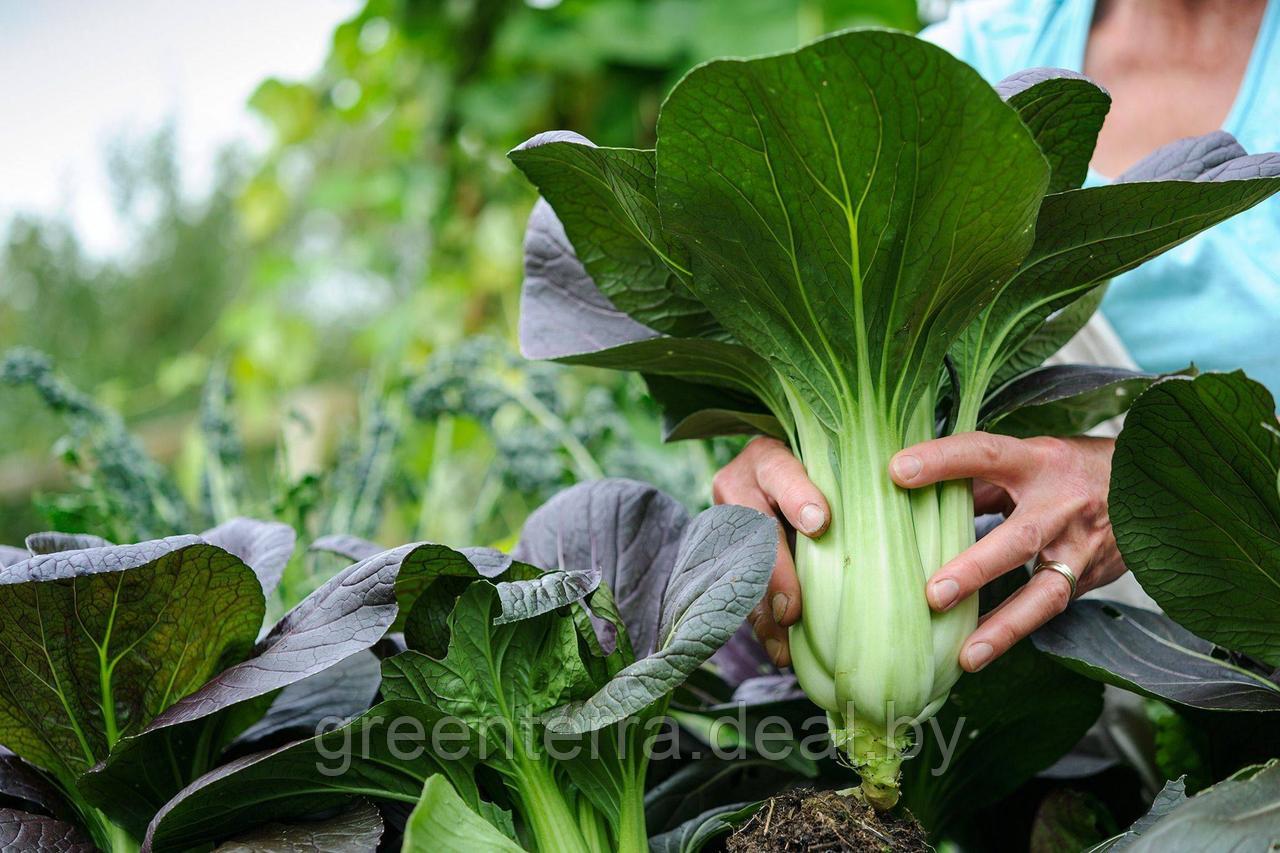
(1053,492)
(767,477)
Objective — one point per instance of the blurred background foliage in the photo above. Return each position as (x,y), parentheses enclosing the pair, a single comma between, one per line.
(327,336)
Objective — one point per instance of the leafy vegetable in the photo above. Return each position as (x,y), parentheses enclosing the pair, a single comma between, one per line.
(1195,504)
(442,822)
(1151,654)
(1238,813)
(129,668)
(508,656)
(843,245)
(358,828)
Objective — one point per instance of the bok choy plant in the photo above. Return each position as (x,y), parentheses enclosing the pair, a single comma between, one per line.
(506,663)
(130,670)
(857,246)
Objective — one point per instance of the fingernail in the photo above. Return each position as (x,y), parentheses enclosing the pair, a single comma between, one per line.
(774,649)
(811,519)
(979,655)
(906,467)
(943,593)
(780,604)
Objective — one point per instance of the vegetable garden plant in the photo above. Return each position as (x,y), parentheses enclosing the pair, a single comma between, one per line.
(853,246)
(857,246)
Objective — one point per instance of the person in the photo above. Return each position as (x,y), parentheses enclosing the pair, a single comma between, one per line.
(1174,68)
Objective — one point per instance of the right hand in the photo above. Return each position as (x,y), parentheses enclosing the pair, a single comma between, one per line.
(765,476)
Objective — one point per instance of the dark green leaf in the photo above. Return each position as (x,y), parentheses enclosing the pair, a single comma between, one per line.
(97,643)
(704,411)
(1084,237)
(694,834)
(347,615)
(1196,508)
(355,830)
(383,754)
(1151,654)
(1052,335)
(838,202)
(610,215)
(1002,726)
(1062,399)
(1064,112)
(511,673)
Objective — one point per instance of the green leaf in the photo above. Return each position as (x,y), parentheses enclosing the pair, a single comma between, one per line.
(720,573)
(1084,237)
(696,833)
(608,196)
(1051,336)
(1240,813)
(443,823)
(1068,819)
(839,209)
(1002,726)
(345,616)
(511,673)
(358,828)
(384,754)
(97,643)
(1064,112)
(704,411)
(1151,654)
(1196,508)
(1062,399)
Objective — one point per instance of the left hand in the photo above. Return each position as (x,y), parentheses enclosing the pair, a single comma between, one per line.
(1054,494)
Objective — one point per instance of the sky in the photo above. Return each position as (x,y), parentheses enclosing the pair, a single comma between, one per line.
(76,74)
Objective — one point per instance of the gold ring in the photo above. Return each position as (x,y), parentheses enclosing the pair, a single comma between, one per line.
(1062,569)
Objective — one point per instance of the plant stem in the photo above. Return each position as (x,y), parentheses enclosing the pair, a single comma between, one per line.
(633,836)
(120,841)
(554,825)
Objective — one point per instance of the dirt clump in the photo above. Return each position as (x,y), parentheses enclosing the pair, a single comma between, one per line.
(808,822)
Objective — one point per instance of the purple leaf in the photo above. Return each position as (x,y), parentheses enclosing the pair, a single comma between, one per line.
(22,831)
(264,546)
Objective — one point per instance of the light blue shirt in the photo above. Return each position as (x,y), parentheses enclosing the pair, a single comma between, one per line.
(1215,300)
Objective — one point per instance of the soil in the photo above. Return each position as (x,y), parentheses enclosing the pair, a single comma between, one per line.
(808,822)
